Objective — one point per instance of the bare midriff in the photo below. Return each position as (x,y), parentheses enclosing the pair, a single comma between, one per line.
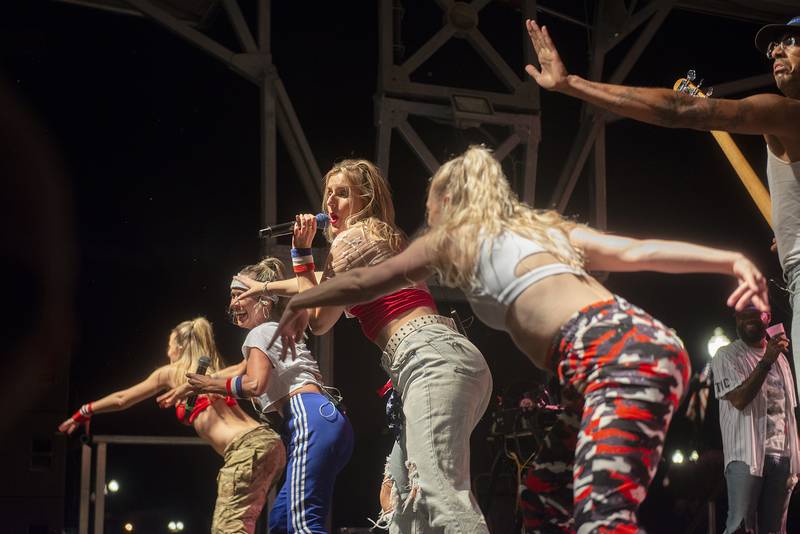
(536,317)
(220,424)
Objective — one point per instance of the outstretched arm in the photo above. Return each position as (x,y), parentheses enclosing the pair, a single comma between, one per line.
(368,283)
(604,252)
(758,114)
(357,285)
(120,400)
(279,288)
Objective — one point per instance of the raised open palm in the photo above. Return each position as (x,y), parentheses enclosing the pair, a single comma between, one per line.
(553,73)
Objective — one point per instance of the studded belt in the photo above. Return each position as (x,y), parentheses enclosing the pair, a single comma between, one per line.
(412,326)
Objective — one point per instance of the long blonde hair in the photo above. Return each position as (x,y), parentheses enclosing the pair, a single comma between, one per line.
(194,338)
(377,215)
(481,205)
(269,269)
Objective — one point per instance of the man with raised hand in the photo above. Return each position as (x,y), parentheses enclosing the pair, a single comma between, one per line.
(775,117)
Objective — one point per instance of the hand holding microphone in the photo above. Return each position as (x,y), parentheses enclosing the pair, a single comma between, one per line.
(202,366)
(305,229)
(287,228)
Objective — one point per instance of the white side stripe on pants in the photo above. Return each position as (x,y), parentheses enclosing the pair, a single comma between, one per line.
(298,488)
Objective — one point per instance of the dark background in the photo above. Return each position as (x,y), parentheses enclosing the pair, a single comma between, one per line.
(159,145)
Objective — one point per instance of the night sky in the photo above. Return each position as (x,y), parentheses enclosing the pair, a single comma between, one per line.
(160,148)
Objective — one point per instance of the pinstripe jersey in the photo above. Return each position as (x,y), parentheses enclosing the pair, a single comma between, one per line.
(744,431)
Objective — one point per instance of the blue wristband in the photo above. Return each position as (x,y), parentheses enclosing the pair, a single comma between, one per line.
(236,386)
(299,252)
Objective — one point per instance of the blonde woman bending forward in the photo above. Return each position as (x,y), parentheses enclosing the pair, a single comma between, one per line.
(254,454)
(524,272)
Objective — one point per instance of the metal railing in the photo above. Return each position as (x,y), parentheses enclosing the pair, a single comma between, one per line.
(102,442)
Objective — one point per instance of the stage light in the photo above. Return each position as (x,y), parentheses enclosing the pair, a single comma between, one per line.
(179,525)
(470,111)
(128,527)
(717,340)
(172,526)
(694,456)
(472,104)
(113,486)
(677,457)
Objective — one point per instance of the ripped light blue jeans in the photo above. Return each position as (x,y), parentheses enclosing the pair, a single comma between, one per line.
(445,386)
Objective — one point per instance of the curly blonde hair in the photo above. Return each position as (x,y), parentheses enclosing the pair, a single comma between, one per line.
(481,205)
(194,338)
(377,213)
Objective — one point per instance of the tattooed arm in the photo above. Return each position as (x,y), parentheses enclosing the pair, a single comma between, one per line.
(767,114)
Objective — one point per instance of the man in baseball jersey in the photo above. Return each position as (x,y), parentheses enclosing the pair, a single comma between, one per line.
(753,383)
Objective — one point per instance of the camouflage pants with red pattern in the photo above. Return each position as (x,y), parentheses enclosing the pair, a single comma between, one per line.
(630,372)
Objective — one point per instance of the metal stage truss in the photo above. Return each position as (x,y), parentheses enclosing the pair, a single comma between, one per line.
(609,23)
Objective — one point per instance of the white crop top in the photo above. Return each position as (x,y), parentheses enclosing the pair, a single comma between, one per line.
(287,375)
(498,286)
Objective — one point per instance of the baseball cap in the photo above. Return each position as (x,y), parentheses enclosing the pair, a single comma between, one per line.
(773,32)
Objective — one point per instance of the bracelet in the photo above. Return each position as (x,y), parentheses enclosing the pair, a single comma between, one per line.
(265,293)
(299,252)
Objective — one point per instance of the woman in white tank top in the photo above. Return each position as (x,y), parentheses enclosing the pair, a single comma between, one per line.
(523,271)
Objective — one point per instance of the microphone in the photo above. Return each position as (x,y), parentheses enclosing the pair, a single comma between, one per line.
(202,366)
(287,228)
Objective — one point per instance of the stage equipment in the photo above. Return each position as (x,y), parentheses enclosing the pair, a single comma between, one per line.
(519,423)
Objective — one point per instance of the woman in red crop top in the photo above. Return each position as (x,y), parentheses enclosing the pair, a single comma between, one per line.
(442,378)
(254,454)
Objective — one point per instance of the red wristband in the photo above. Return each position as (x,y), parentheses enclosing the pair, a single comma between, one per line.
(228,387)
(79,418)
(304,268)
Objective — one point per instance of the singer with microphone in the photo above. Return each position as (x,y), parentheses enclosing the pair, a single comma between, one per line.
(442,379)
(254,453)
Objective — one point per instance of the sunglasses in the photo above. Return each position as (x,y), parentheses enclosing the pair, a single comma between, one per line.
(784,43)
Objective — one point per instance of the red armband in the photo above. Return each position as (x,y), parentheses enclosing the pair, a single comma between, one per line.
(84,414)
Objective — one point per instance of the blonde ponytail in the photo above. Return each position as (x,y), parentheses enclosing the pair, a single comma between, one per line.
(194,338)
